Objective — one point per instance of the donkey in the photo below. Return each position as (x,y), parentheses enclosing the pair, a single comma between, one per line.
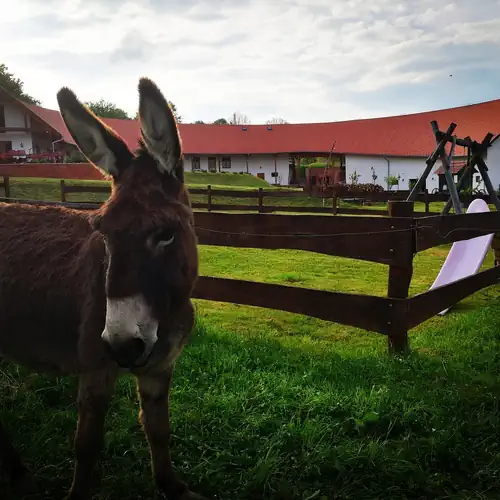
(102,293)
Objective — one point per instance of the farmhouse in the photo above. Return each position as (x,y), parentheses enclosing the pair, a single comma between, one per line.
(366,150)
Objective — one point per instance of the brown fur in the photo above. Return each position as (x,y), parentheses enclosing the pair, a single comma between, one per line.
(58,266)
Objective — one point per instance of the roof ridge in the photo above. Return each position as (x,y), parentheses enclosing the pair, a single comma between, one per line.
(352,120)
(396,135)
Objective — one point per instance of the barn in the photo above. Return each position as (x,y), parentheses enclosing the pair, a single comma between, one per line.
(365,150)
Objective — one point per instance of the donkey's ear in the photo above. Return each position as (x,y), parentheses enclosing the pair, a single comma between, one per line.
(159,129)
(99,143)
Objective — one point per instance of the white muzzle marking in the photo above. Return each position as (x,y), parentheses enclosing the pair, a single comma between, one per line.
(130,317)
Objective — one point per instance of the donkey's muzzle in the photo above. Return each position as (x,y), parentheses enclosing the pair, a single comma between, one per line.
(126,351)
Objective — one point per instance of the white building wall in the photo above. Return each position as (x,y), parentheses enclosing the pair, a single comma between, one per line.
(238,164)
(255,164)
(493,163)
(20,140)
(407,168)
(265,164)
(15,116)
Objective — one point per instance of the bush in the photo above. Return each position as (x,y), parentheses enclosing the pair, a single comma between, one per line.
(341,189)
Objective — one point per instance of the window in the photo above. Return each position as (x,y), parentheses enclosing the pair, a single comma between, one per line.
(2,115)
(225,162)
(195,163)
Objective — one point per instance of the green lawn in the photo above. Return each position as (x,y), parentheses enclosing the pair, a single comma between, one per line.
(272,405)
(226,179)
(276,406)
(49,190)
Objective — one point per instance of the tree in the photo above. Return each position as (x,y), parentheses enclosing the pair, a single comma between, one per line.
(354,177)
(307,160)
(14,86)
(239,119)
(392,180)
(174,110)
(276,121)
(105,109)
(221,121)
(199,122)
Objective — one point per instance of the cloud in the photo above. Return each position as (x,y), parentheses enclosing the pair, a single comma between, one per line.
(304,60)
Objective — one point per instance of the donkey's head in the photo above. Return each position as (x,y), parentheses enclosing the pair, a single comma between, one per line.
(147,227)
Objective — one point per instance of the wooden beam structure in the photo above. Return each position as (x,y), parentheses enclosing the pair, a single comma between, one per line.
(476,154)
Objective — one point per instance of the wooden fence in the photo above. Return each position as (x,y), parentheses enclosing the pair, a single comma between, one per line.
(392,241)
(263,201)
(5,185)
(261,195)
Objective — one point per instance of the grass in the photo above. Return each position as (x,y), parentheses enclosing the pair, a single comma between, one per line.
(226,179)
(49,189)
(271,405)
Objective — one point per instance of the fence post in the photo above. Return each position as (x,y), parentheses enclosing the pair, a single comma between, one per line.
(495,245)
(63,191)
(399,283)
(334,203)
(209,198)
(261,201)
(6,185)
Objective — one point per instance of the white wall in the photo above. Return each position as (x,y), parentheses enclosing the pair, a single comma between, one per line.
(256,164)
(266,164)
(20,140)
(407,168)
(493,163)
(15,117)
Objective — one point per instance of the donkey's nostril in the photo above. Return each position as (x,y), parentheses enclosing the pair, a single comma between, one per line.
(126,351)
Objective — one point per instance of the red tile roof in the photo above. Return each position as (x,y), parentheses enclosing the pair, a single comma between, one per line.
(52,118)
(455,167)
(404,135)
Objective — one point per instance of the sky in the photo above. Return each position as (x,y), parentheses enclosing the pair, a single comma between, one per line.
(301,60)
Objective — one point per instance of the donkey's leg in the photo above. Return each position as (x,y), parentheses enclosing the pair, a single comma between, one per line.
(20,477)
(94,394)
(154,415)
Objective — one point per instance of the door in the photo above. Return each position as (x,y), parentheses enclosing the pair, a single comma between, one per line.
(212,164)
(5,146)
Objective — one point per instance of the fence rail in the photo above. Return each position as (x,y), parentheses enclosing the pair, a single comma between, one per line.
(392,240)
(264,199)
(423,306)
(379,239)
(437,230)
(261,195)
(339,307)
(66,189)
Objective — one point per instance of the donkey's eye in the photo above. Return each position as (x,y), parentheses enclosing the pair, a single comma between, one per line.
(164,239)
(159,240)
